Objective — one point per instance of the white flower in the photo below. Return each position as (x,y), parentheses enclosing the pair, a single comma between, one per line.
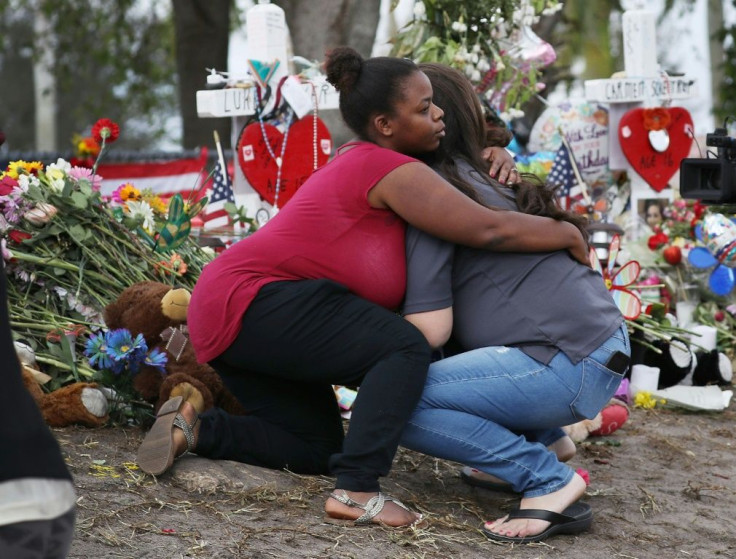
(459,26)
(419,10)
(56,173)
(483,65)
(516,113)
(209,251)
(475,76)
(141,210)
(24,181)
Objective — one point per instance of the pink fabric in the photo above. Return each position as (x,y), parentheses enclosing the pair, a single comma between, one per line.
(328,230)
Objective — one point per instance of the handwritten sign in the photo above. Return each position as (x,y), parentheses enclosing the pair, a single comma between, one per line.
(637,90)
(241,101)
(656,166)
(585,126)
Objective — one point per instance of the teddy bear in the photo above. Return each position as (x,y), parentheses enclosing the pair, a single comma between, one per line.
(79,403)
(159,312)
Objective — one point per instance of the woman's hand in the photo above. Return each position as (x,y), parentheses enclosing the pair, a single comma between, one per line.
(580,250)
(503,168)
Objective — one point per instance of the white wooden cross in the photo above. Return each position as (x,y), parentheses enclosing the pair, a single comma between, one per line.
(268,40)
(643,85)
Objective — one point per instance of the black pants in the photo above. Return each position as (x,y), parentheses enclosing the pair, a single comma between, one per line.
(297,340)
(38,539)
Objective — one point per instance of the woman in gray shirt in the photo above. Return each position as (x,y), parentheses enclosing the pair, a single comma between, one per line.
(545,345)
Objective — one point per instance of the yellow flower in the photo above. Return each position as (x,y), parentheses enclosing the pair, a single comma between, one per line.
(16,168)
(129,192)
(646,400)
(155,201)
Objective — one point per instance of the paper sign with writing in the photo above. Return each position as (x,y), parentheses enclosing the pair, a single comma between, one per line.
(585,126)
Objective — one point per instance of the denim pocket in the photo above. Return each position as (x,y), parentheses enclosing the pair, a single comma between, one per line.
(598,386)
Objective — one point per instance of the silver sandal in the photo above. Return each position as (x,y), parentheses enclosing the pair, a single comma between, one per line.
(372,508)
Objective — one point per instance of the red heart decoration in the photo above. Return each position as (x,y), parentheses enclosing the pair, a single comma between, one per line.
(655,167)
(261,170)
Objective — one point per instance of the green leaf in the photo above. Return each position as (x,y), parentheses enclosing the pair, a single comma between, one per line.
(79,200)
(78,233)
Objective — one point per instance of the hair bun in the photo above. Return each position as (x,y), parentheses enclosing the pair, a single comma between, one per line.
(343,67)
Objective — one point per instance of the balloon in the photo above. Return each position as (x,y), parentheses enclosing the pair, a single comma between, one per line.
(719,235)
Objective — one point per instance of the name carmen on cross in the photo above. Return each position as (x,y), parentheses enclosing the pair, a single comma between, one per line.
(637,89)
(239,98)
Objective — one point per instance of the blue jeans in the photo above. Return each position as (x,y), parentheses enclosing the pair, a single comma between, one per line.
(486,408)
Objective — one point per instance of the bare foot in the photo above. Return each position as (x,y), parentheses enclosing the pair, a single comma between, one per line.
(190,416)
(556,502)
(391,515)
(563,447)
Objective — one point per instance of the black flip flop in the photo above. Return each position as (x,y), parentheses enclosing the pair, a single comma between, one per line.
(466,474)
(574,519)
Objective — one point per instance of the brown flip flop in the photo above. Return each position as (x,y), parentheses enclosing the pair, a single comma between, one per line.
(157,452)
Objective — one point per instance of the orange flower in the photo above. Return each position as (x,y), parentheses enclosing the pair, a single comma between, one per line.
(657,119)
(129,192)
(175,263)
(87,147)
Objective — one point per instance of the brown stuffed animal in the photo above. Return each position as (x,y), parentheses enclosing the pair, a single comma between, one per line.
(158,312)
(81,403)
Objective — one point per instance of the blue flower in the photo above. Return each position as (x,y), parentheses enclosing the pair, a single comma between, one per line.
(156,358)
(96,350)
(122,347)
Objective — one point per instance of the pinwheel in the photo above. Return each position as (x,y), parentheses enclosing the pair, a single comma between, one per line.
(618,281)
(718,233)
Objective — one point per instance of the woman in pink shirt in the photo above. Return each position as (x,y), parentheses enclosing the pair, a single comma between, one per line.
(309,300)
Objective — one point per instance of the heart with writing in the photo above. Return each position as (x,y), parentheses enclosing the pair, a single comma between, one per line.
(303,147)
(654,142)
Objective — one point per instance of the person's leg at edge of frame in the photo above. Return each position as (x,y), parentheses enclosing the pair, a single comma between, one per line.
(336,337)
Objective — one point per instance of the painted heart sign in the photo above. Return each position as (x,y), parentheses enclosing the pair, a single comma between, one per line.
(296,151)
(654,142)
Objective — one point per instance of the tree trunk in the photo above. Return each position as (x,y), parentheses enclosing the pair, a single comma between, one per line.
(319,25)
(202,35)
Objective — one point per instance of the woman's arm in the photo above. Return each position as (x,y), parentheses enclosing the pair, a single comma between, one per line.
(435,325)
(425,200)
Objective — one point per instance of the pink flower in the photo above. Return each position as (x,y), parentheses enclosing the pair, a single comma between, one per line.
(583,474)
(82,173)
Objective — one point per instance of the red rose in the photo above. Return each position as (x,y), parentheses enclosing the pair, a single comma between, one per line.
(105,130)
(719,316)
(7,184)
(18,236)
(657,240)
(698,209)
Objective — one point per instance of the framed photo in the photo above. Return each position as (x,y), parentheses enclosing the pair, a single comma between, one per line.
(647,207)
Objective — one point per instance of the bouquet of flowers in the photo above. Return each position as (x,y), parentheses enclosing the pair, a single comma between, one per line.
(68,252)
(490,40)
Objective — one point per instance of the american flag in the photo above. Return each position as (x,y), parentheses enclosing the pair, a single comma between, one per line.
(215,215)
(562,176)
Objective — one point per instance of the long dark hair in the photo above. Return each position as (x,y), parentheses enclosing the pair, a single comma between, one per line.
(366,86)
(467,132)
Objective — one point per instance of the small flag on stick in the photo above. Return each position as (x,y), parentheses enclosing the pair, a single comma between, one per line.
(215,216)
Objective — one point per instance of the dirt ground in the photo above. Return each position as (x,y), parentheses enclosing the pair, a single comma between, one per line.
(662,486)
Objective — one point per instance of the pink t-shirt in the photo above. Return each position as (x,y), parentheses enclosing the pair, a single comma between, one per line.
(328,230)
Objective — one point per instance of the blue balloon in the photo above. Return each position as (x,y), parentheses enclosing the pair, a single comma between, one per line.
(722,280)
(699,232)
(700,257)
